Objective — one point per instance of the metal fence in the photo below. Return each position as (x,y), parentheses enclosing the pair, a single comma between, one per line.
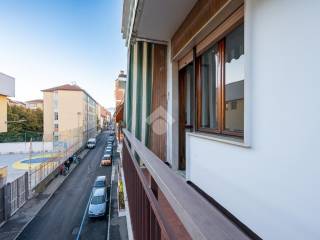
(64,145)
(13,195)
(39,167)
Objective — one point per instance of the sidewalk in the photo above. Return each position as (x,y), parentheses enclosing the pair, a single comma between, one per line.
(118,224)
(16,224)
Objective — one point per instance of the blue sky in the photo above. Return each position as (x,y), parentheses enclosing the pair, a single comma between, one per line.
(45,43)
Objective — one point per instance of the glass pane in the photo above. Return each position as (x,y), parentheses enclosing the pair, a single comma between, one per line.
(209,87)
(234,80)
(188,92)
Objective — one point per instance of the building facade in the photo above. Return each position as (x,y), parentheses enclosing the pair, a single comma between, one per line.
(120,87)
(7,89)
(68,109)
(215,90)
(12,102)
(34,104)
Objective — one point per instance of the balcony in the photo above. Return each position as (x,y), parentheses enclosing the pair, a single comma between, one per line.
(163,206)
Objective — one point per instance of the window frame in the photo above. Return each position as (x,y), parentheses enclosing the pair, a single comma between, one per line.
(220,86)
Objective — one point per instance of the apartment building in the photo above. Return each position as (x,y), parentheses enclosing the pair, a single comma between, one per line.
(34,104)
(12,102)
(103,116)
(120,87)
(68,108)
(216,90)
(7,89)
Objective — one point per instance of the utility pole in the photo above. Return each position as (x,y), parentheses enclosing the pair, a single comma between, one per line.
(30,156)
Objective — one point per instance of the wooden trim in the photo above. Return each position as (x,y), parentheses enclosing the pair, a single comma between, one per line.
(221,88)
(205,16)
(188,58)
(220,97)
(227,26)
(198,92)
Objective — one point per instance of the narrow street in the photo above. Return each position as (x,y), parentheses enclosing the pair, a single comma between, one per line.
(62,216)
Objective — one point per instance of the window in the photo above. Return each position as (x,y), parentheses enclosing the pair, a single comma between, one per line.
(220,87)
(56,116)
(209,86)
(56,127)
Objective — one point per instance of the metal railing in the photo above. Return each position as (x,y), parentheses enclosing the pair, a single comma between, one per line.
(163,206)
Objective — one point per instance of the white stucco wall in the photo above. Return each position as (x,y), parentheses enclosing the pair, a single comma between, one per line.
(22,147)
(273,186)
(173,102)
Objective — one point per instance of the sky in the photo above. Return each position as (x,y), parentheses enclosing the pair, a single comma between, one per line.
(46,43)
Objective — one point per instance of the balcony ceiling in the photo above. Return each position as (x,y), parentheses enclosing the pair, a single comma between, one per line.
(159,20)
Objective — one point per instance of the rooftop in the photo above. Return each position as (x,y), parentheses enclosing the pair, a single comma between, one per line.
(35,101)
(68,87)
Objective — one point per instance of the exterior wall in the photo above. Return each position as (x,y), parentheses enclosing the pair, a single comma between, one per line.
(7,89)
(269,183)
(24,147)
(173,113)
(3,113)
(7,85)
(70,103)
(34,106)
(48,115)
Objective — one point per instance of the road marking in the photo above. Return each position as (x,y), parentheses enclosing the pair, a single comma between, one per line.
(83,218)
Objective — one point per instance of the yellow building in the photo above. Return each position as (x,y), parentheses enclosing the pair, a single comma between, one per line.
(68,111)
(7,89)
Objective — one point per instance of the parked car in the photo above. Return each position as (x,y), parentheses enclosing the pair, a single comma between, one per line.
(108,151)
(108,147)
(100,182)
(111,138)
(98,203)
(106,159)
(91,143)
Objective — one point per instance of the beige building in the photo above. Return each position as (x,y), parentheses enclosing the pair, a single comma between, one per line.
(120,87)
(7,89)
(12,102)
(69,112)
(34,104)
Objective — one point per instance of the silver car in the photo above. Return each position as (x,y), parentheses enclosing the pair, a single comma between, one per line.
(98,203)
(100,182)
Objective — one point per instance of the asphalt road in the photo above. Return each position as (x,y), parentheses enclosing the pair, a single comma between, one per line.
(61,217)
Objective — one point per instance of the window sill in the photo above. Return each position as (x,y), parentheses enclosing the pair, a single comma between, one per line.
(219,138)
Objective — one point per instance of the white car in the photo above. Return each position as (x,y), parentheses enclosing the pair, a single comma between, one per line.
(91,143)
(100,182)
(98,203)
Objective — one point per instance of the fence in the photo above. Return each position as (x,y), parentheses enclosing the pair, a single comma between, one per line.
(12,196)
(39,166)
(64,145)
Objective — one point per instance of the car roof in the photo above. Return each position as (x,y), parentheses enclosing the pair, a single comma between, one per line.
(101,178)
(99,192)
(107,155)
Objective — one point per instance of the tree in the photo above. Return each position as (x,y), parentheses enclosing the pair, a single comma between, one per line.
(32,127)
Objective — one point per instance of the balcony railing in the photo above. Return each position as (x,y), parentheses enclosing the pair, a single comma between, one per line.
(163,206)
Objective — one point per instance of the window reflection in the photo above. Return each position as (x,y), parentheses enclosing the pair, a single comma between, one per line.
(234,80)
